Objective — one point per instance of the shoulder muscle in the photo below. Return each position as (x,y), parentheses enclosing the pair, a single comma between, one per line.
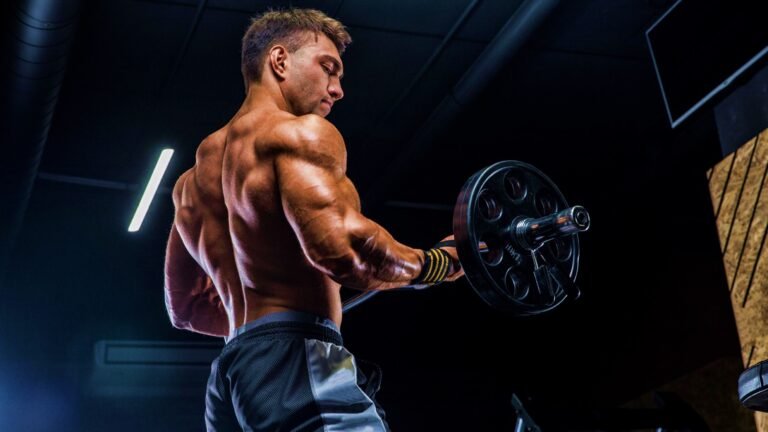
(314,139)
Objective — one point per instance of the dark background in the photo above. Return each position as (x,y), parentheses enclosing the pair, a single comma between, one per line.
(579,100)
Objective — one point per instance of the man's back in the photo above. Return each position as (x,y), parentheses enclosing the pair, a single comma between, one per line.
(229,214)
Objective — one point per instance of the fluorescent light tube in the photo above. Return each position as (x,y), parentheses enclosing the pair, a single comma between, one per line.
(149,192)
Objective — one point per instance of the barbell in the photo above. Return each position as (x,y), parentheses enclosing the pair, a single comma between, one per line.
(517,240)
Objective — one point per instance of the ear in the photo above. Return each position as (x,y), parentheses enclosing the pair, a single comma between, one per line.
(278,61)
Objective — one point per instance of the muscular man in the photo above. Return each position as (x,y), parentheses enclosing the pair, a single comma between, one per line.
(268,227)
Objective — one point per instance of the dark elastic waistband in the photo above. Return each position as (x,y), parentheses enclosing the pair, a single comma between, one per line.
(288,320)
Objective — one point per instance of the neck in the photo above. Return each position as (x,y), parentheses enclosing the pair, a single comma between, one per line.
(265,94)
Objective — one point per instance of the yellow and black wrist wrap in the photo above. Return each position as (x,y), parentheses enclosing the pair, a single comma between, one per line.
(437,263)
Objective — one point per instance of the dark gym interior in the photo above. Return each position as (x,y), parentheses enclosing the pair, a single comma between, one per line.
(434,92)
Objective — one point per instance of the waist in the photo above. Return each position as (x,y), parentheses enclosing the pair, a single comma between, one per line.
(284,316)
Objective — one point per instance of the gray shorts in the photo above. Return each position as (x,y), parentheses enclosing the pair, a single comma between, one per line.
(289,371)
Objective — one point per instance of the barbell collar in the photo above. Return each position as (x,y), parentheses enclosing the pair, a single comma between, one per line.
(531,233)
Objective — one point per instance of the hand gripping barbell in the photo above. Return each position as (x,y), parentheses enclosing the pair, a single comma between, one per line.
(517,239)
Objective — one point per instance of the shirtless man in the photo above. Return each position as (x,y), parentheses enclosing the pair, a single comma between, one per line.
(267,229)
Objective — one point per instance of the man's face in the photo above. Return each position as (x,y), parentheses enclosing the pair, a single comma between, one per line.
(314,81)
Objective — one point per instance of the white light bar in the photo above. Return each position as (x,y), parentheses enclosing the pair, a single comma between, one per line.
(149,192)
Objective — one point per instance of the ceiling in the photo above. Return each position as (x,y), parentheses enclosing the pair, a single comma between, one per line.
(579,100)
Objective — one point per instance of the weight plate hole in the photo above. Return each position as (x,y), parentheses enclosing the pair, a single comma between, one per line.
(560,249)
(494,252)
(545,202)
(515,286)
(489,207)
(514,185)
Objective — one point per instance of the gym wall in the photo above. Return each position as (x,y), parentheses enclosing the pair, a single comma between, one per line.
(738,189)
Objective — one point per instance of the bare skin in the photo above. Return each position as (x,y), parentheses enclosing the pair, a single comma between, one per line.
(267,220)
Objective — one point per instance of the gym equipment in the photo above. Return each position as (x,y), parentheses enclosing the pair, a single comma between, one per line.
(517,239)
(532,256)
(753,387)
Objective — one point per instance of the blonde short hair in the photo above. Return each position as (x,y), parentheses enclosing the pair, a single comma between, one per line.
(289,27)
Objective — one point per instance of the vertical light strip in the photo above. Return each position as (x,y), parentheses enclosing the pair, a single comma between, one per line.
(149,192)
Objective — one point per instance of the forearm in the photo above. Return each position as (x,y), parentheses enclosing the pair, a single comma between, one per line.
(191,298)
(201,313)
(367,257)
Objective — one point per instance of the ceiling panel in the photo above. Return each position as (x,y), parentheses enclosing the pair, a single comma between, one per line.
(330,7)
(545,88)
(226,5)
(487,19)
(116,82)
(606,27)
(211,66)
(128,45)
(123,52)
(452,63)
(414,16)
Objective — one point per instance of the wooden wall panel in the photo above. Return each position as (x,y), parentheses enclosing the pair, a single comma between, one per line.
(748,228)
(739,190)
(732,196)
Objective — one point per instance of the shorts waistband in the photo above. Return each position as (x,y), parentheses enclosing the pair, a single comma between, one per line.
(287,316)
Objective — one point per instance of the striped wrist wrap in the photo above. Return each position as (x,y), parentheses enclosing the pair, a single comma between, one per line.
(437,263)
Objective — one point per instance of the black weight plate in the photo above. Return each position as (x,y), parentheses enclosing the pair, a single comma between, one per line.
(488,205)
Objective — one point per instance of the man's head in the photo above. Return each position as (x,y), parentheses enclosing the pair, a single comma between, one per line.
(301,49)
